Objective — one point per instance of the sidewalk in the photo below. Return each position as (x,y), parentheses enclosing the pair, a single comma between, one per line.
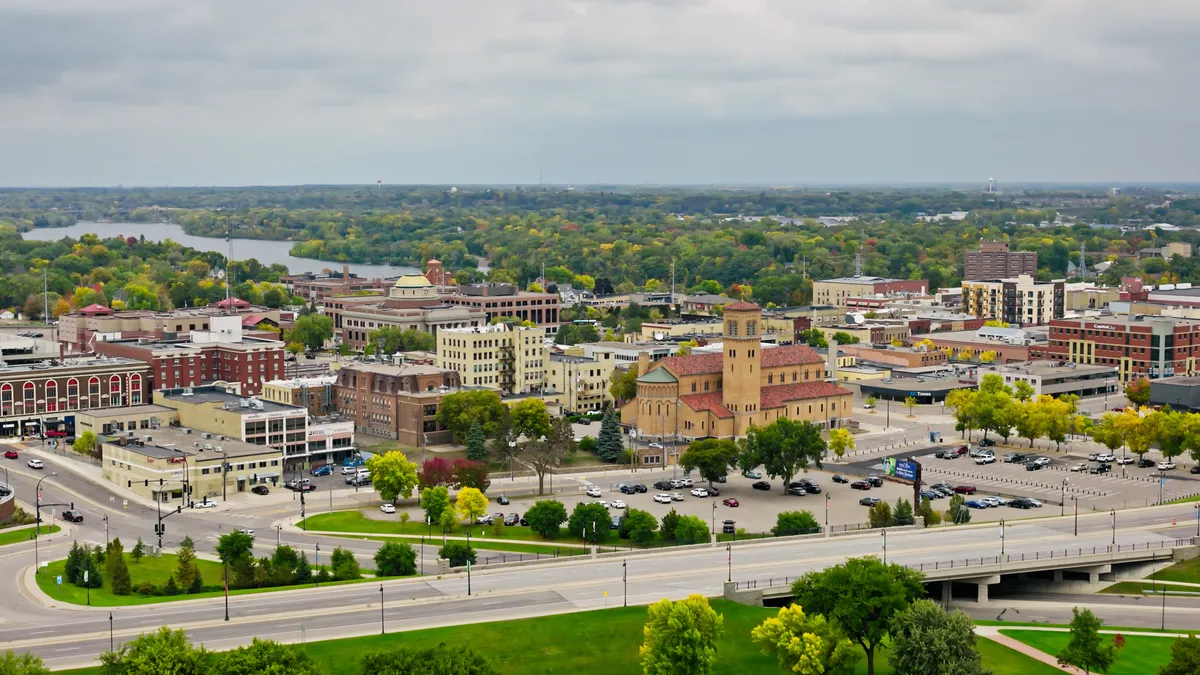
(993,633)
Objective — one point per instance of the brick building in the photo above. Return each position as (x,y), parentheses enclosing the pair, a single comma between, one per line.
(507,300)
(399,402)
(412,302)
(837,291)
(1020,300)
(1139,346)
(318,287)
(77,329)
(47,395)
(993,260)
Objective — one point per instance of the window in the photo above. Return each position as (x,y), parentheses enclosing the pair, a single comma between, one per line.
(94,392)
(6,399)
(51,396)
(135,389)
(72,394)
(114,390)
(29,396)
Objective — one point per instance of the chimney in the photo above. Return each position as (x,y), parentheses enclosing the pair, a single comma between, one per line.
(831,361)
(345,272)
(643,363)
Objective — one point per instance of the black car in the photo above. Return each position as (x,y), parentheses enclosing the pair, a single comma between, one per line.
(73,516)
(713,492)
(616,523)
(1032,466)
(1021,503)
(664,485)
(502,501)
(640,488)
(869,501)
(761,485)
(585,421)
(627,490)
(260,490)
(512,519)
(930,495)
(1015,458)
(524,521)
(1144,463)
(728,527)
(986,443)
(875,481)
(1100,467)
(813,487)
(839,478)
(860,485)
(721,479)
(1194,469)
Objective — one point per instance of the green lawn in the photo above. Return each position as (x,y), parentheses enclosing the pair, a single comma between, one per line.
(1142,655)
(1141,587)
(603,641)
(150,569)
(1187,571)
(26,534)
(544,549)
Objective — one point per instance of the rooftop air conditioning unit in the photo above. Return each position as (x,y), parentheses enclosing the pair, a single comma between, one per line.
(187,431)
(205,435)
(187,392)
(148,439)
(130,434)
(243,403)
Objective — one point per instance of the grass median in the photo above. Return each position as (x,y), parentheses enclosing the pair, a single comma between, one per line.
(24,534)
(604,641)
(1141,654)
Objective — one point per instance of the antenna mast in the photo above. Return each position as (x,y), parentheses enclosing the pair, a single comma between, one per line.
(228,269)
(45,297)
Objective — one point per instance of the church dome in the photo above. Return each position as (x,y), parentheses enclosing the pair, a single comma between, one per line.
(412,281)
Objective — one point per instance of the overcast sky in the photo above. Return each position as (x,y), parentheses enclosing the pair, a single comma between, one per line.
(147,92)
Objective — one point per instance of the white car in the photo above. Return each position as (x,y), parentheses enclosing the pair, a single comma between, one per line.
(699,492)
(1125,460)
(244,530)
(662,498)
(349,470)
(35,464)
(685,482)
(868,406)
(1165,465)
(387,508)
(656,446)
(985,459)
(990,501)
(1106,457)
(617,503)
(1036,502)
(602,502)
(1082,466)
(676,497)
(204,505)
(593,491)
(1001,501)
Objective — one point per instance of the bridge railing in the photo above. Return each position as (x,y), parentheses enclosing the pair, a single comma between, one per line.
(1056,554)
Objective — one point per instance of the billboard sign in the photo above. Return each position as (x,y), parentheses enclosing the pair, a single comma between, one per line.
(903,469)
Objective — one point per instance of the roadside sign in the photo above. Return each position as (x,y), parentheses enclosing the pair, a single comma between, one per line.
(85,576)
(111,499)
(58,580)
(125,503)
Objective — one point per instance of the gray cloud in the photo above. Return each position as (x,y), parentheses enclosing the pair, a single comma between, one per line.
(471,90)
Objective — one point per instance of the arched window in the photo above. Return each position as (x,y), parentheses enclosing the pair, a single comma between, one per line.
(51,396)
(135,389)
(72,394)
(29,395)
(6,399)
(93,399)
(114,390)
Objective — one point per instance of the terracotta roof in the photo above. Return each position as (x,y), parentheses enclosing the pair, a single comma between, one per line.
(233,302)
(693,364)
(780,394)
(789,356)
(741,306)
(712,402)
(94,308)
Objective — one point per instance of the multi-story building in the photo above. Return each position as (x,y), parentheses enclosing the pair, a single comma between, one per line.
(46,396)
(622,354)
(1139,346)
(836,291)
(315,394)
(507,300)
(395,401)
(582,381)
(900,357)
(1167,250)
(993,260)
(317,287)
(1020,300)
(722,394)
(506,357)
(221,354)
(662,330)
(1055,378)
(412,302)
(881,333)
(78,330)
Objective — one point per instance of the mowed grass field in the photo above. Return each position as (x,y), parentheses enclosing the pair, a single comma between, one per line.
(1142,655)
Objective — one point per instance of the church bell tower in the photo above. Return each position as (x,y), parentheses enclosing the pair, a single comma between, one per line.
(741,372)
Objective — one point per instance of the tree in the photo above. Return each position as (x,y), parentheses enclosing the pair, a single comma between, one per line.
(185,563)
(311,330)
(691,529)
(393,475)
(458,553)
(531,419)
(670,521)
(903,513)
(545,454)
(73,567)
(841,440)
(138,551)
(862,596)
(813,337)
(880,515)
(1185,657)
(395,559)
(234,546)
(589,522)
(711,457)
(440,660)
(470,504)
(285,560)
(640,525)
(929,515)
(910,403)
(164,651)
(959,513)
(435,472)
(680,638)
(476,442)
(805,645)
(1087,648)
(1138,392)
(623,384)
(435,501)
(962,403)
(462,409)
(546,517)
(589,445)
(870,401)
(1023,391)
(264,656)
(400,340)
(86,444)
(21,664)
(610,445)
(789,523)
(783,448)
(844,338)
(119,579)
(343,565)
(468,474)
(925,639)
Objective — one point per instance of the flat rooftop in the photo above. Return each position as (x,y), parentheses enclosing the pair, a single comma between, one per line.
(318,381)
(863,280)
(229,400)
(1047,368)
(1033,333)
(389,369)
(68,364)
(183,345)
(1127,320)
(112,413)
(170,442)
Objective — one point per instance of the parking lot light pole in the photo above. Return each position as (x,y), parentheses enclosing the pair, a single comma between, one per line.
(37,522)
(1001,536)
(381,624)
(729,561)
(1062,499)
(625,583)
(1114,526)
(884,533)
(106,540)
(714,519)
(317,563)
(1197,507)
(110,632)
(1075,505)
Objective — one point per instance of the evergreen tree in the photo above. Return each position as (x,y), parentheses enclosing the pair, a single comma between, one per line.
(476,442)
(114,557)
(171,588)
(139,550)
(95,578)
(185,568)
(610,444)
(118,574)
(303,570)
(197,584)
(76,558)
(903,515)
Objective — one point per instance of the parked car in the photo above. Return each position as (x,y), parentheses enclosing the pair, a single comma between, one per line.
(714,491)
(73,516)
(1125,460)
(869,501)
(524,521)
(965,489)
(1194,469)
(868,406)
(617,503)
(929,494)
(324,470)
(615,523)
(260,490)
(798,491)
(986,443)
(963,449)
(699,492)
(975,504)
(753,475)
(306,487)
(627,490)
(11,454)
(1166,465)
(1082,466)
(839,478)
(593,491)
(1144,463)
(1100,467)
(985,459)
(943,490)
(1002,501)
(35,464)
(1106,457)
(685,482)
(662,498)
(662,485)
(943,486)
(875,481)
(387,508)
(512,519)
(349,470)
(761,485)
(812,486)
(244,530)
(1014,458)
(676,497)
(730,501)
(1093,456)
(585,421)
(485,519)
(204,504)
(722,479)
(502,500)
(951,454)
(1037,504)
(1020,503)
(860,485)
(992,502)
(640,489)
(728,527)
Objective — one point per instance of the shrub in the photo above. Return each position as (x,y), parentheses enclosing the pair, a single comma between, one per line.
(395,559)
(669,522)
(692,530)
(458,553)
(790,523)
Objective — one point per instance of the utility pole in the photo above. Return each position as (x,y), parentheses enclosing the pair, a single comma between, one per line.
(228,269)
(45,300)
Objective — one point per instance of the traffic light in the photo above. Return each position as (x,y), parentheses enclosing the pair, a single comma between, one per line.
(72,506)
(159,529)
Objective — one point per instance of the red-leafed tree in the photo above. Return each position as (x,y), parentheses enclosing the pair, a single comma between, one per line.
(437,471)
(471,474)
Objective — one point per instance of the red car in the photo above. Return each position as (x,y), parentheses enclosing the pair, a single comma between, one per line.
(962,449)
(729,501)
(860,485)
(10,454)
(965,489)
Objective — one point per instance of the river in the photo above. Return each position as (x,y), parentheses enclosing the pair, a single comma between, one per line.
(267,252)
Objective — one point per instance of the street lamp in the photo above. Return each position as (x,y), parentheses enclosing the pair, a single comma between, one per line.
(106,531)
(1062,498)
(1114,526)
(1002,536)
(625,582)
(317,561)
(278,529)
(469,559)
(1197,507)
(110,632)
(714,519)
(381,624)
(884,533)
(37,523)
(1075,506)
(729,561)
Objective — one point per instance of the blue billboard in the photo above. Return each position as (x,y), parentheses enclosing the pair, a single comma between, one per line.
(902,469)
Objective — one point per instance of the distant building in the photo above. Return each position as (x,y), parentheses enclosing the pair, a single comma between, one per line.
(78,330)
(1167,250)
(37,397)
(993,260)
(836,291)
(399,402)
(1021,300)
(1139,346)
(506,357)
(1056,378)
(316,287)
(412,302)
(314,394)
(582,381)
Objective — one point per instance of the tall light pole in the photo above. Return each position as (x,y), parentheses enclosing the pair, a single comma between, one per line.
(1002,536)
(1075,505)
(1114,526)
(625,583)
(381,624)
(106,540)
(37,523)
(110,632)
(1197,507)
(884,533)
(1062,498)
(729,561)
(714,519)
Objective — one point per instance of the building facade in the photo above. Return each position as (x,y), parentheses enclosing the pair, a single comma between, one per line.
(836,291)
(399,402)
(412,302)
(37,397)
(1139,347)
(993,260)
(77,330)
(1021,300)
(1056,378)
(505,357)
(317,287)
(583,382)
(315,394)
(507,300)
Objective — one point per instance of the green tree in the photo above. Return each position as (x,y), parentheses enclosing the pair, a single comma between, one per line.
(476,442)
(805,645)
(119,579)
(926,639)
(589,522)
(285,561)
(589,444)
(138,551)
(1185,657)
(910,403)
(164,651)
(610,444)
(929,515)
(234,546)
(21,664)
(76,559)
(711,457)
(1087,648)
(670,521)
(435,501)
(546,517)
(844,338)
(470,504)
(400,340)
(880,515)
(311,330)
(1138,392)
(266,657)
(440,660)
(458,553)
(461,409)
(640,525)
(531,419)
(90,575)
(789,523)
(870,401)
(1023,391)
(86,444)
(680,638)
(841,440)
(903,513)
(185,563)
(813,337)
(692,530)
(623,384)
(862,596)
(343,565)
(395,559)
(543,455)
(959,512)
(393,475)
(783,448)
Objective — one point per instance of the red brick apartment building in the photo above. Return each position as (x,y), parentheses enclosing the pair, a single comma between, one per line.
(1139,346)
